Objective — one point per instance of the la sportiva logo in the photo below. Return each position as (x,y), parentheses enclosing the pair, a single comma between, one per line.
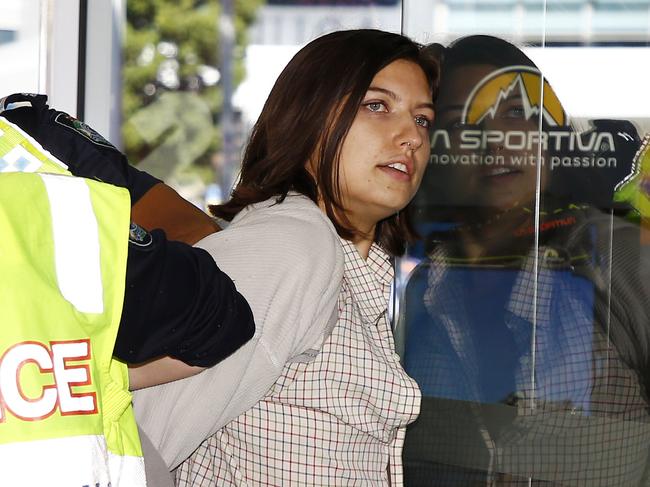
(519,82)
(515,108)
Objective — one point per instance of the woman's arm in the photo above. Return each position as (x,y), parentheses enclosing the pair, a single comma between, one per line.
(287,262)
(159,371)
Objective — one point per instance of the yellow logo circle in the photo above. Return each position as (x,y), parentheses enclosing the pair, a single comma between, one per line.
(524,81)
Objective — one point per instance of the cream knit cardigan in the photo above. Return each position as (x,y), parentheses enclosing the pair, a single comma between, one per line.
(286,260)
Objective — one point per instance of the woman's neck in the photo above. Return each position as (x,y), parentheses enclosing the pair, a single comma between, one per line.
(363,246)
(365,235)
(366,231)
(495,235)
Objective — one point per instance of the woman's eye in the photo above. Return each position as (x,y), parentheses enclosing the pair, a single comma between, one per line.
(423,121)
(514,112)
(376,106)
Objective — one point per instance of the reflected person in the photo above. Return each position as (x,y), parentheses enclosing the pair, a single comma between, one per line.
(526,325)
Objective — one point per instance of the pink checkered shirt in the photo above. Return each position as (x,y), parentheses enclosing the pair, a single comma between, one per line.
(337,420)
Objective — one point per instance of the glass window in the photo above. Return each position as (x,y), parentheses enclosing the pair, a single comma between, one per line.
(523,314)
(524,311)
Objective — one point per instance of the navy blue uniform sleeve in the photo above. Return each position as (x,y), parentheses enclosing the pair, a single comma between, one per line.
(178,303)
(85,151)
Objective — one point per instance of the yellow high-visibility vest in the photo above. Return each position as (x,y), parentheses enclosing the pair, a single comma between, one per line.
(65,410)
(21,153)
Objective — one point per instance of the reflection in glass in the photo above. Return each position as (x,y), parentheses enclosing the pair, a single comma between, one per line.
(526,321)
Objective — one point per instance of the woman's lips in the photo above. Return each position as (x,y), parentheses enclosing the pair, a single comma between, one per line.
(396,173)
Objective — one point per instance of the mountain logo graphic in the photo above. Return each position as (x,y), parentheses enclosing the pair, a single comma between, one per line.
(521,82)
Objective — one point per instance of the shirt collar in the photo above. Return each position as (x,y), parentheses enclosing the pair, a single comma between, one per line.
(369,280)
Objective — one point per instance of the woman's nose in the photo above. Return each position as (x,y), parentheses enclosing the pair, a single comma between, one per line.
(410,134)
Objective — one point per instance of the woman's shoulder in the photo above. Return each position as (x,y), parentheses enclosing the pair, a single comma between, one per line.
(294,206)
(287,260)
(295,218)
(293,227)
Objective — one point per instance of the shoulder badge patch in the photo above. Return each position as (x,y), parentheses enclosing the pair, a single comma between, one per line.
(139,236)
(5,107)
(83,129)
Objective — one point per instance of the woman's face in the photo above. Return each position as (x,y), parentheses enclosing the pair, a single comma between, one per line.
(386,150)
(497,187)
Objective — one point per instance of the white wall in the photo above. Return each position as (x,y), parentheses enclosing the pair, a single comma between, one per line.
(20,58)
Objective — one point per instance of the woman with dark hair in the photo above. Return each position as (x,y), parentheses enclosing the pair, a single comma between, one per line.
(318,397)
(526,323)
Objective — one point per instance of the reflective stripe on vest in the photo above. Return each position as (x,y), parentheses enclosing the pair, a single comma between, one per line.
(21,153)
(65,413)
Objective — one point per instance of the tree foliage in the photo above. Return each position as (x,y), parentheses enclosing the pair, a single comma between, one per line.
(171,80)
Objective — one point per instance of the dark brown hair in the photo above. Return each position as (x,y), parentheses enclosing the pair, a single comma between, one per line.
(307,116)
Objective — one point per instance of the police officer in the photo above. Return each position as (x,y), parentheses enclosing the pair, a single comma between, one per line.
(177,301)
(180,312)
(90,155)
